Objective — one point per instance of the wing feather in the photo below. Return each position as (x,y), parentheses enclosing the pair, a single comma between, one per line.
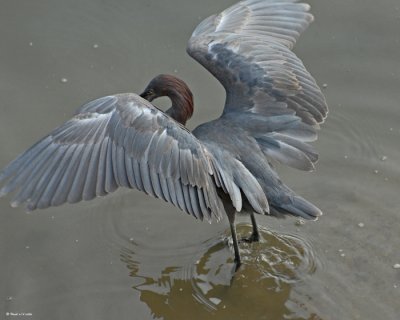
(164,189)
(46,198)
(22,166)
(78,184)
(172,192)
(179,195)
(37,181)
(130,173)
(89,190)
(101,173)
(111,142)
(247,48)
(136,172)
(62,191)
(110,183)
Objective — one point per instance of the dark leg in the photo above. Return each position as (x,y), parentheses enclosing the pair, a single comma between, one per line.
(235,245)
(255,235)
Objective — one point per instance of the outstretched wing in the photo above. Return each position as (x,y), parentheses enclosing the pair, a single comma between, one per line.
(247,48)
(111,142)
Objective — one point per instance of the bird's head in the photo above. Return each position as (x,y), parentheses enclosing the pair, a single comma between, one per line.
(175,89)
(166,85)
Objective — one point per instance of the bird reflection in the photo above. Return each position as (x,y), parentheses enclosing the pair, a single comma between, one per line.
(204,289)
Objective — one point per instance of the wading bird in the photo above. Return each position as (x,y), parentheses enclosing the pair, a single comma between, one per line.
(273,108)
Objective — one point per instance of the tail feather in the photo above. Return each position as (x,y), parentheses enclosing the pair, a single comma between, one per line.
(299,206)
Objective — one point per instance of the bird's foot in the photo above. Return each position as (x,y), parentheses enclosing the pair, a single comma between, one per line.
(254,237)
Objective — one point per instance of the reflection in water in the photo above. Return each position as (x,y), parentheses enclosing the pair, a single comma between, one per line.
(208,286)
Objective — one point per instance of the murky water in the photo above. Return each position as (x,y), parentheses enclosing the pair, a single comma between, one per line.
(128,256)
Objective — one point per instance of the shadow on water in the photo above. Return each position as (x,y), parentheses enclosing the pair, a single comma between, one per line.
(209,288)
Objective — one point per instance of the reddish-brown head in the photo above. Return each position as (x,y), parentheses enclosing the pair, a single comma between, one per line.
(177,90)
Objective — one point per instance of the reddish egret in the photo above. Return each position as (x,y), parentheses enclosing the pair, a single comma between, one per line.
(273,108)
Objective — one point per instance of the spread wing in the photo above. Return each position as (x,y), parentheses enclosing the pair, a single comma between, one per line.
(111,142)
(247,48)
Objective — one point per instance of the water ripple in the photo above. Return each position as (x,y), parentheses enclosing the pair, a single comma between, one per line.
(273,263)
(207,284)
(354,137)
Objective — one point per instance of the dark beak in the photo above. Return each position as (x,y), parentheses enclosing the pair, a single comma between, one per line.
(148,95)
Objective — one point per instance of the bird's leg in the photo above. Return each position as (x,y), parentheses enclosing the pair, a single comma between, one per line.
(231,218)
(255,235)
(235,245)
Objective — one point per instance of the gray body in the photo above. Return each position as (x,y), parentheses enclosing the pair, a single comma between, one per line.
(273,109)
(240,155)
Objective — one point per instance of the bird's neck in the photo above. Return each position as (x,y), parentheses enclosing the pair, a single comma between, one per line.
(182,107)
